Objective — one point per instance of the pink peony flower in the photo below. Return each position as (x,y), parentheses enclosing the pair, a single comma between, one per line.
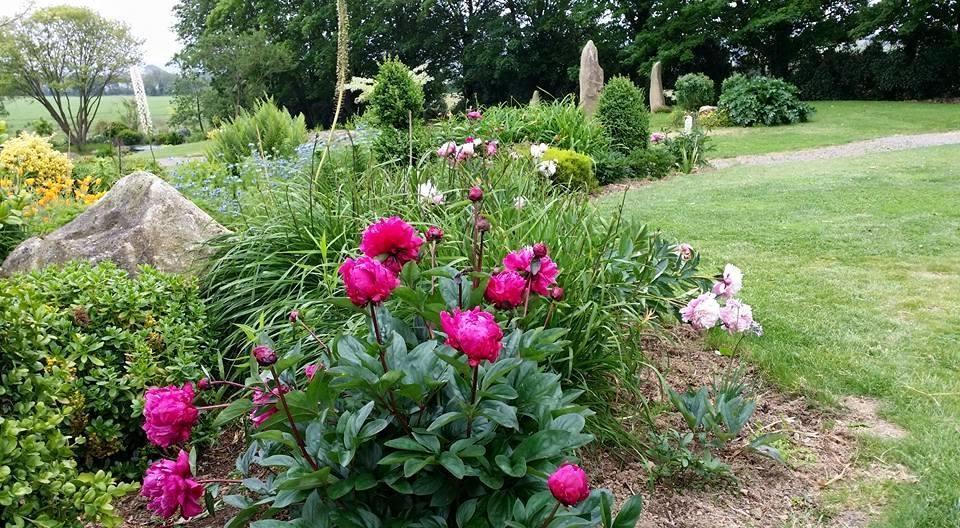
(556,293)
(505,289)
(730,283)
(702,312)
(265,404)
(475,333)
(447,149)
(492,148)
(475,194)
(392,241)
(264,355)
(434,234)
(657,137)
(169,486)
(474,115)
(522,260)
(466,151)
(736,316)
(169,414)
(685,251)
(312,369)
(569,484)
(367,280)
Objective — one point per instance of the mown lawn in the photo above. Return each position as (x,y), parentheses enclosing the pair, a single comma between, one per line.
(834,122)
(853,267)
(197,148)
(23,110)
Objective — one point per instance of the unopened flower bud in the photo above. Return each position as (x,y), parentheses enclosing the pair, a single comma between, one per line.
(483,225)
(475,194)
(294,316)
(539,250)
(556,293)
(264,355)
(204,384)
(434,234)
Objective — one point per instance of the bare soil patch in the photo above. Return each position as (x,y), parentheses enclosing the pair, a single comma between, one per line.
(863,417)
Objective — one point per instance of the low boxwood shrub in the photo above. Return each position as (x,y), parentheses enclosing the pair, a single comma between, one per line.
(113,334)
(650,163)
(268,130)
(694,90)
(762,100)
(623,114)
(570,169)
(434,413)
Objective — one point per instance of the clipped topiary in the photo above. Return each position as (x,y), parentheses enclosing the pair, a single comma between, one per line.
(762,100)
(694,90)
(624,115)
(396,96)
(570,169)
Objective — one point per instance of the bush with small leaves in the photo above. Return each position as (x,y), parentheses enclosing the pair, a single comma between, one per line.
(269,131)
(694,90)
(396,99)
(570,169)
(623,114)
(759,100)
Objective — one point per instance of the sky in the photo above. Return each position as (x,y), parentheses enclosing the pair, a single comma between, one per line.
(150,20)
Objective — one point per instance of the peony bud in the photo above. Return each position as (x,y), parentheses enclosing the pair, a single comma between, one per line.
(294,316)
(265,355)
(204,384)
(569,485)
(539,250)
(434,234)
(475,194)
(483,225)
(556,293)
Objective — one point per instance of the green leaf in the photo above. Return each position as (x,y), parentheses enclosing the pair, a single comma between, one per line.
(629,514)
(501,413)
(453,464)
(465,512)
(413,466)
(233,411)
(445,419)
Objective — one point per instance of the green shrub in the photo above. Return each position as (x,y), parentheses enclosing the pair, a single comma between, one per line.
(42,126)
(573,170)
(623,114)
(114,334)
(761,100)
(268,130)
(650,163)
(689,150)
(170,137)
(715,119)
(396,97)
(694,90)
(128,137)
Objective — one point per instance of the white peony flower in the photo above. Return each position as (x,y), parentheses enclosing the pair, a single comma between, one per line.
(519,202)
(538,149)
(547,168)
(429,193)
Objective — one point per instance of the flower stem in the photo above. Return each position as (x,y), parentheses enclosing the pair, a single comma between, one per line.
(473,398)
(552,515)
(211,407)
(314,335)
(219,481)
(293,424)
(376,333)
(230,383)
(479,264)
(526,295)
(553,308)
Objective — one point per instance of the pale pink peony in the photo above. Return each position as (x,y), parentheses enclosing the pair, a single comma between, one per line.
(169,415)
(702,312)
(474,115)
(569,484)
(466,151)
(168,484)
(730,283)
(392,241)
(367,280)
(685,251)
(657,137)
(736,316)
(522,260)
(492,146)
(447,149)
(265,404)
(505,289)
(475,333)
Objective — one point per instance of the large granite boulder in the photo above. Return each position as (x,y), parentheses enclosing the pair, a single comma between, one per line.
(591,78)
(141,220)
(658,103)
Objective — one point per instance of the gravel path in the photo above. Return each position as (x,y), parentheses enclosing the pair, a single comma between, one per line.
(857,148)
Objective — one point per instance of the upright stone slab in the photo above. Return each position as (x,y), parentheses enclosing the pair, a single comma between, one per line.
(591,78)
(658,102)
(535,99)
(141,220)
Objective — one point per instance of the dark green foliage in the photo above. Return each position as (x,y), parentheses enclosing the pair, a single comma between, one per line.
(42,127)
(397,100)
(170,137)
(269,131)
(111,336)
(694,90)
(574,170)
(650,163)
(622,112)
(762,100)
(128,137)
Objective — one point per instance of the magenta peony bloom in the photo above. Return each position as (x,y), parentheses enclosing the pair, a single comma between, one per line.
(702,312)
(474,115)
(168,485)
(475,333)
(521,261)
(569,485)
(264,355)
(730,283)
(447,149)
(265,404)
(492,146)
(312,369)
(505,289)
(540,250)
(685,251)
(169,415)
(434,234)
(392,241)
(367,280)
(736,316)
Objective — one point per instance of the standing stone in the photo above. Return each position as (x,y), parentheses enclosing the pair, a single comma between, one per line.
(657,102)
(141,220)
(535,99)
(591,78)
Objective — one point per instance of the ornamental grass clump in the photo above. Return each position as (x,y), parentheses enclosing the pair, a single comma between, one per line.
(436,412)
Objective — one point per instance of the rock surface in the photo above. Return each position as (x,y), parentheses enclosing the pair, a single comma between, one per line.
(591,78)
(706,109)
(141,220)
(658,102)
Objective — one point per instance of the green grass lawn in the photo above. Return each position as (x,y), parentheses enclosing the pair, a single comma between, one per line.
(853,267)
(198,148)
(834,122)
(23,110)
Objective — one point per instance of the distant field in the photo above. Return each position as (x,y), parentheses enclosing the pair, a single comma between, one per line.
(23,110)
